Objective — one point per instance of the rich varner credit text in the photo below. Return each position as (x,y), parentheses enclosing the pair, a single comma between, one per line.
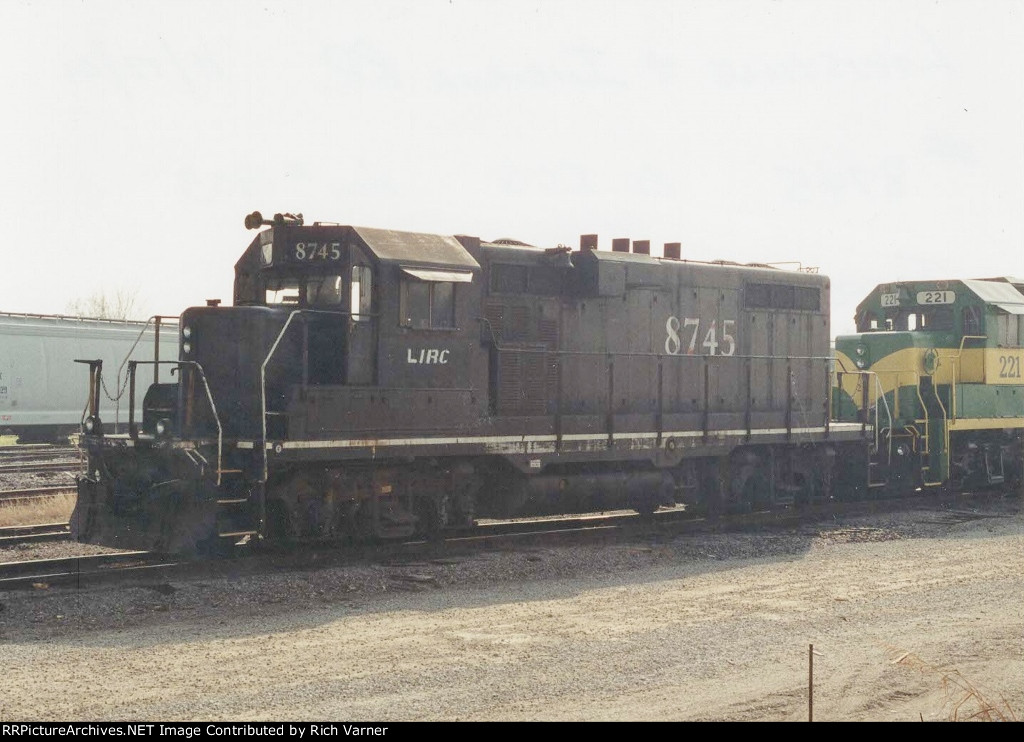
(189,731)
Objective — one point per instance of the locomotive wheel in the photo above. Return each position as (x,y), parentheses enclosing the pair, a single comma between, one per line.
(712,478)
(646,504)
(432,517)
(750,490)
(279,523)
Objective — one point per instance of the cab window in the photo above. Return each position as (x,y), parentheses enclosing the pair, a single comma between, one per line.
(869,322)
(324,291)
(282,291)
(359,297)
(1006,330)
(427,305)
(972,320)
(933,319)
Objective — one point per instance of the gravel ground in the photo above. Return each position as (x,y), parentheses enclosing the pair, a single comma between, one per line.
(912,616)
(49,550)
(28,480)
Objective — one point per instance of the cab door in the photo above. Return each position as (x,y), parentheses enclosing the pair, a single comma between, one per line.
(362,328)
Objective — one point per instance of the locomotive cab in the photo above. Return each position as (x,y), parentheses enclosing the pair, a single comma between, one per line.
(337,335)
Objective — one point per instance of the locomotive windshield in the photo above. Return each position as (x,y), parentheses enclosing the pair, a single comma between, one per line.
(931,319)
(317,290)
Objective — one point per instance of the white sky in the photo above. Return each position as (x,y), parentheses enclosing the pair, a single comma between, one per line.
(875,140)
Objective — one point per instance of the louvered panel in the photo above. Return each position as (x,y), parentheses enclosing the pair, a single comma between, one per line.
(509,383)
(494,312)
(524,379)
(517,323)
(548,332)
(534,384)
(551,364)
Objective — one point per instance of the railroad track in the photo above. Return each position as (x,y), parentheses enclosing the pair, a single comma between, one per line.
(36,492)
(11,535)
(133,566)
(47,466)
(623,526)
(81,571)
(28,453)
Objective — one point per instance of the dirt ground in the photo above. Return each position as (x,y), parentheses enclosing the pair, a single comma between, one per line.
(916,616)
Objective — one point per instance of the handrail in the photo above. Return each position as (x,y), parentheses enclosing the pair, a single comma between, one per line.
(263,391)
(955,358)
(650,354)
(952,414)
(879,397)
(607,361)
(209,398)
(927,429)
(924,409)
(263,377)
(156,356)
(216,418)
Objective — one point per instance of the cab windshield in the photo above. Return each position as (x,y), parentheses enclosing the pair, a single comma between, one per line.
(319,291)
(930,319)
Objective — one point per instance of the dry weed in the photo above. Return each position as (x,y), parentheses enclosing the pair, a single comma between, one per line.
(964,701)
(55,509)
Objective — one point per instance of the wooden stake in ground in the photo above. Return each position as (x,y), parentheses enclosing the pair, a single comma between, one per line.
(810,683)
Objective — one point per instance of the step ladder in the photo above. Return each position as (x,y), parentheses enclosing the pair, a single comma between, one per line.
(234,517)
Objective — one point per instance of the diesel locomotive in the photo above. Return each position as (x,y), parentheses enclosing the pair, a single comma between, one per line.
(937,369)
(373,384)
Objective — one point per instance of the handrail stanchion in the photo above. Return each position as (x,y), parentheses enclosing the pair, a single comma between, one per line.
(133,430)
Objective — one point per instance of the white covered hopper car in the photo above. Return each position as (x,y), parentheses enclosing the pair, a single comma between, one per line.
(43,391)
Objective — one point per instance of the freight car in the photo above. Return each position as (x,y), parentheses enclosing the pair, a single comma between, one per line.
(41,395)
(937,369)
(369,383)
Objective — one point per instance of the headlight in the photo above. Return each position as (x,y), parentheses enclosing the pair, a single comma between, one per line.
(186,348)
(93,425)
(860,348)
(860,363)
(186,332)
(163,426)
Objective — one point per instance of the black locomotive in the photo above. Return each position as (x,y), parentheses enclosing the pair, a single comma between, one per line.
(369,383)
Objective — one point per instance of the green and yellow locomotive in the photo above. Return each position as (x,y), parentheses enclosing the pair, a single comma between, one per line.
(936,370)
